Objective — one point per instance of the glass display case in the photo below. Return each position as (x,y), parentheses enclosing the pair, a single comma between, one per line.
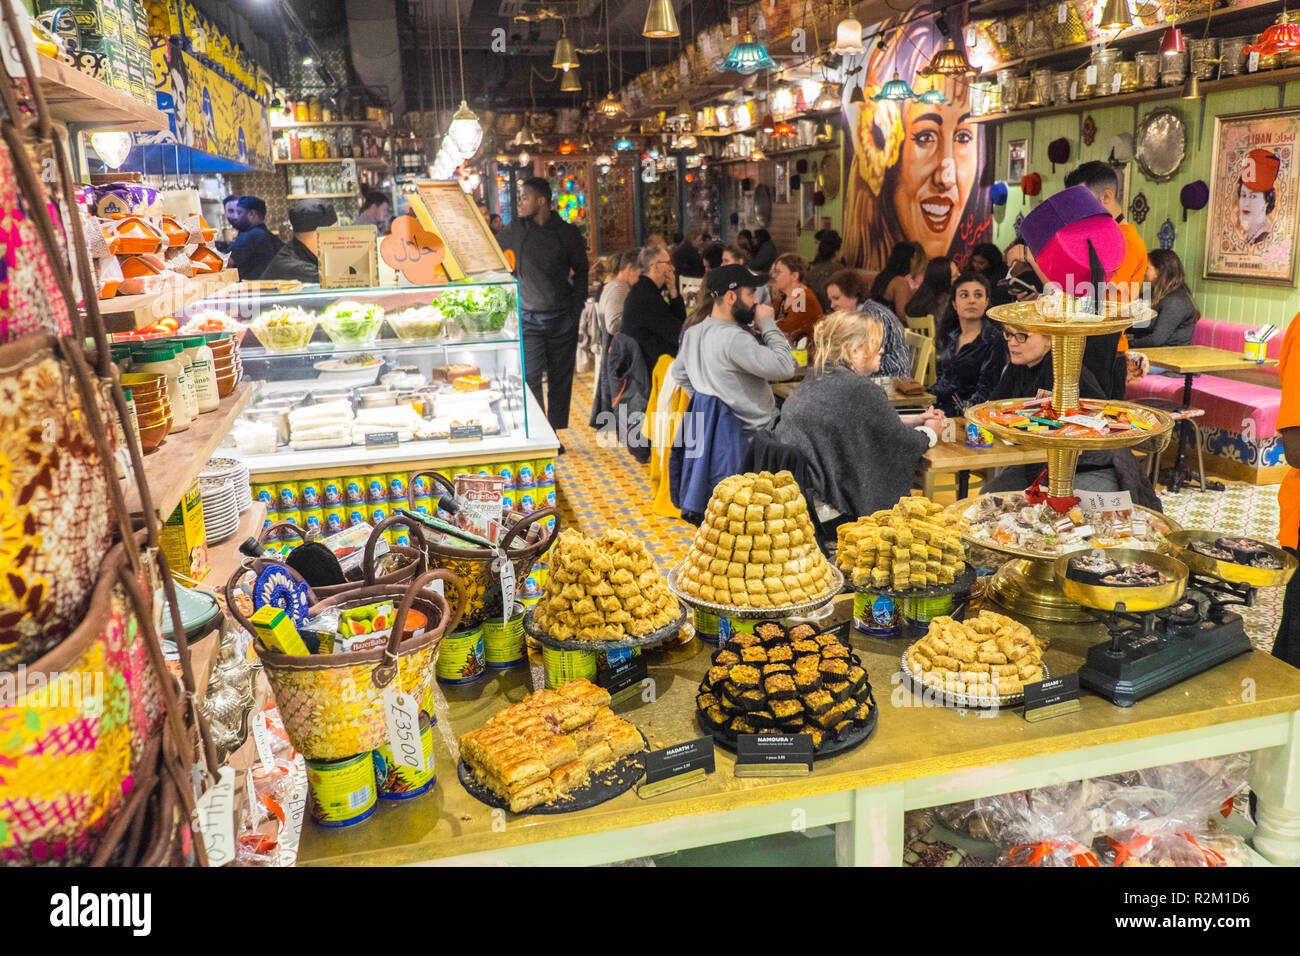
(348,383)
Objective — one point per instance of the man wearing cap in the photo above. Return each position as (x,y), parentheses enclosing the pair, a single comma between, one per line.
(551,263)
(721,358)
(255,246)
(297,258)
(1257,195)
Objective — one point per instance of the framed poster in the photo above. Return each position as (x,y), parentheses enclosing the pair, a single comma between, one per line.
(1017,159)
(448,211)
(1251,228)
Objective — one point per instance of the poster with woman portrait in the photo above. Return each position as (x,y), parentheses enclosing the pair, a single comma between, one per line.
(1250,232)
(915,171)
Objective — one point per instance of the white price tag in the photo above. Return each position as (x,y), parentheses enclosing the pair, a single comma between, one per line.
(9,45)
(1099,822)
(262,738)
(1104,500)
(1090,75)
(971,36)
(1252,62)
(215,818)
(1002,33)
(402,715)
(1074,89)
(735,26)
(1115,82)
(506,569)
(254,811)
(1062,13)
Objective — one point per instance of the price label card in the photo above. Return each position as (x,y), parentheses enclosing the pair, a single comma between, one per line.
(262,738)
(1029,30)
(1062,13)
(253,802)
(472,431)
(626,669)
(402,715)
(214,816)
(971,36)
(1252,62)
(1090,75)
(1104,500)
(381,439)
(1074,89)
(773,755)
(1054,697)
(677,766)
(1115,82)
(1002,33)
(505,569)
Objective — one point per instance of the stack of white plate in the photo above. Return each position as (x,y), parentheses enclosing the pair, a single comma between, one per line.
(234,471)
(220,509)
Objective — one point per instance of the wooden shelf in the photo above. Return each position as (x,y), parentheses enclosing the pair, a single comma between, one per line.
(1124,40)
(172,467)
(75,98)
(1243,81)
(359,160)
(128,313)
(225,557)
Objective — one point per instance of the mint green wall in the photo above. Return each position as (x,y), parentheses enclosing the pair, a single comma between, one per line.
(1235,301)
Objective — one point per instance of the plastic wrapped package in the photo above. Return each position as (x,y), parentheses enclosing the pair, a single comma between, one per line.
(963,818)
(1050,826)
(1166,816)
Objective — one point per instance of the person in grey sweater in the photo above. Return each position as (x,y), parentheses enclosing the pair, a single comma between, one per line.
(720,356)
(862,455)
(1176,313)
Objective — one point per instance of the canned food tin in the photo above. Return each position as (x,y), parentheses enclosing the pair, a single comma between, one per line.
(397,488)
(313,521)
(343,791)
(506,470)
(357,514)
(527,501)
(706,626)
(402,783)
(919,612)
(335,519)
(508,501)
(286,495)
(727,628)
(503,643)
(564,666)
(309,493)
(421,487)
(525,477)
(545,470)
(377,513)
(877,615)
(460,657)
(268,536)
(354,489)
(332,489)
(376,489)
(267,493)
(547,501)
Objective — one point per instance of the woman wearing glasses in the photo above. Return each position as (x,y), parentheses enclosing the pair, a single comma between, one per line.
(1028,374)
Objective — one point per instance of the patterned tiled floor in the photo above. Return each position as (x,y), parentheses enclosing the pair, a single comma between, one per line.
(599,487)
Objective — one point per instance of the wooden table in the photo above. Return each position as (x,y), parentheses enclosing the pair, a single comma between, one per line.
(1191,361)
(956,457)
(784,390)
(919,756)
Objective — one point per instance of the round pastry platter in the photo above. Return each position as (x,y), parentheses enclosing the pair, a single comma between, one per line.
(829,748)
(980,415)
(1026,315)
(965,581)
(733,613)
(657,636)
(1181,544)
(605,785)
(1135,599)
(950,699)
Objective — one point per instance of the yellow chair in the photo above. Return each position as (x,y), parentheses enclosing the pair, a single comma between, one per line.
(920,350)
(924,325)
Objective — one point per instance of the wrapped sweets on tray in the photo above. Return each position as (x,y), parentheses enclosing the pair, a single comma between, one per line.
(1090,419)
(912,545)
(1010,520)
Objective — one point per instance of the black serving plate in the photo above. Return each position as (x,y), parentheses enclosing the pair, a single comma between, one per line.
(859,735)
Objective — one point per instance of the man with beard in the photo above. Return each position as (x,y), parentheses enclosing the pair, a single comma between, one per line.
(719,356)
(255,247)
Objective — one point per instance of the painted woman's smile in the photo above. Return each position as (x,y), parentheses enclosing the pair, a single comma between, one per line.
(937,213)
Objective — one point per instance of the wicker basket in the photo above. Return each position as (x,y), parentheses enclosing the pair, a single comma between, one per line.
(410,557)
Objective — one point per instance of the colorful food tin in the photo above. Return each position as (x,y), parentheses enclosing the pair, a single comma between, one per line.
(919,612)
(313,521)
(357,514)
(460,657)
(332,489)
(377,513)
(503,643)
(525,477)
(506,470)
(286,496)
(354,489)
(402,783)
(377,489)
(545,471)
(268,494)
(397,488)
(564,666)
(309,493)
(343,791)
(336,519)
(877,615)
(706,626)
(421,487)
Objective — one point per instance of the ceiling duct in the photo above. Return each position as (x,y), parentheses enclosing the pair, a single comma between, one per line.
(376,56)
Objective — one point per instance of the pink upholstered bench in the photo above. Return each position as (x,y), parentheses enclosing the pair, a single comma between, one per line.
(1240,423)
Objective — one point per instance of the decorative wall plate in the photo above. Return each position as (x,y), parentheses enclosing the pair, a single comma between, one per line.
(1161,145)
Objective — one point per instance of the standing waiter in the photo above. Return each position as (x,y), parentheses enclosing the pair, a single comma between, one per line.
(551,264)
(1287,644)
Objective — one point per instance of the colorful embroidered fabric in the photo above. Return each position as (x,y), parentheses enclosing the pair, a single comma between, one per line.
(55,510)
(29,298)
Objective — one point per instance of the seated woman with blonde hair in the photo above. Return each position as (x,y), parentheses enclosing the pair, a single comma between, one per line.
(862,455)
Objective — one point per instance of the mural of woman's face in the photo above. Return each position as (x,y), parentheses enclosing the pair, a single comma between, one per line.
(936,172)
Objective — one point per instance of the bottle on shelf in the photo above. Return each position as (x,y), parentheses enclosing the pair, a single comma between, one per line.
(314,109)
(301,112)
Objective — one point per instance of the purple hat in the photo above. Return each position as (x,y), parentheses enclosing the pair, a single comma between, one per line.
(1194,196)
(1060,230)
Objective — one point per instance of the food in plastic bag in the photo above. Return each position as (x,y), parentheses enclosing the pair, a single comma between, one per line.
(1050,826)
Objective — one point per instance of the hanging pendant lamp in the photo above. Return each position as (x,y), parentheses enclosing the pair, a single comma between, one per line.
(564,59)
(950,60)
(1279,38)
(848,38)
(933,96)
(746,57)
(1171,44)
(610,106)
(465,131)
(895,89)
(660,21)
(570,83)
(1115,16)
(858,96)
(830,99)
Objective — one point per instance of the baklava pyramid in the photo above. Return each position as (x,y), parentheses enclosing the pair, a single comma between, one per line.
(756,547)
(603,589)
(796,681)
(912,545)
(548,744)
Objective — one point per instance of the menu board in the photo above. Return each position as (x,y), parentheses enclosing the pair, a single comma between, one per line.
(446,209)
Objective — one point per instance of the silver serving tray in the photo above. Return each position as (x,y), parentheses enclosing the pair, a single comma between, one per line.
(732,613)
(949,699)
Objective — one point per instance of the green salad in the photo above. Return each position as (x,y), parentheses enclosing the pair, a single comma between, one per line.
(350,323)
(421,322)
(479,310)
(284,328)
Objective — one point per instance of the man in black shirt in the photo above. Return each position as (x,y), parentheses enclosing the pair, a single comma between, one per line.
(687,260)
(255,247)
(297,259)
(551,264)
(653,311)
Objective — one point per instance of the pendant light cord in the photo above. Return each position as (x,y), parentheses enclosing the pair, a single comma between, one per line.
(460,53)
